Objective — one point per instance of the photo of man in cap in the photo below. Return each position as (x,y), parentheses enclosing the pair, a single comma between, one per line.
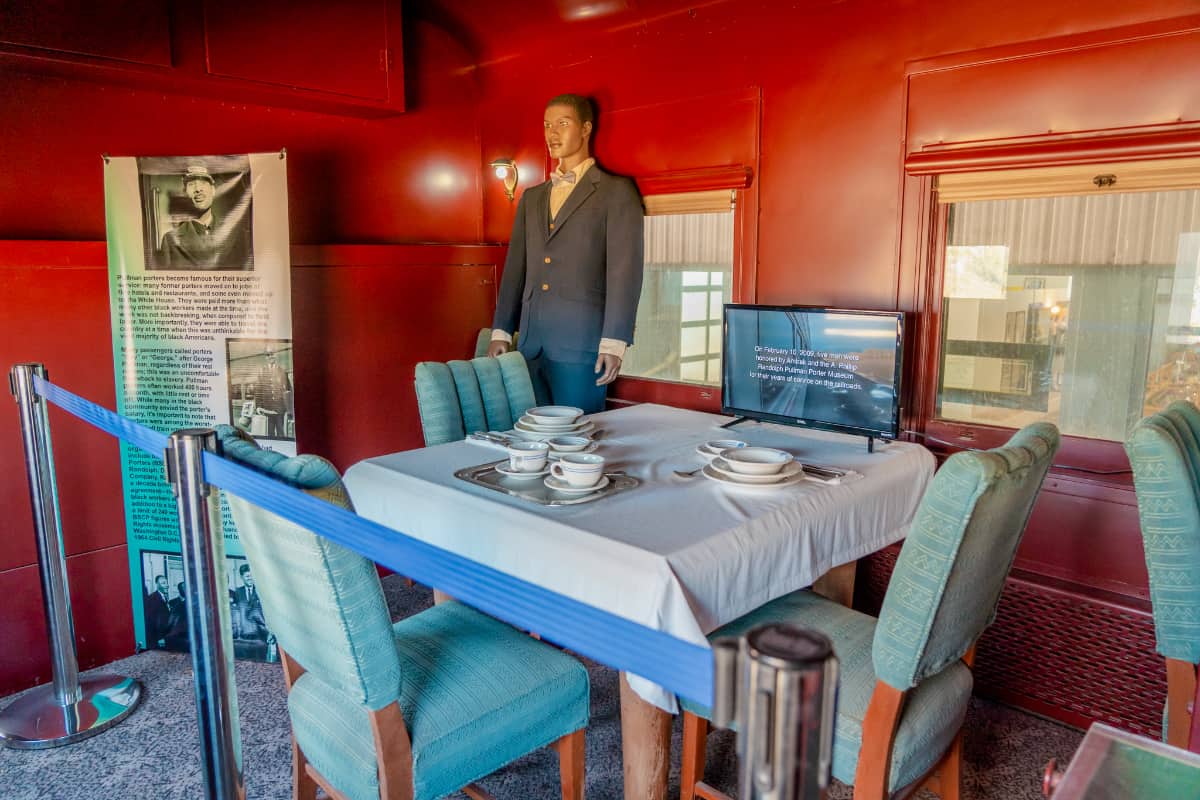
(212,224)
(272,391)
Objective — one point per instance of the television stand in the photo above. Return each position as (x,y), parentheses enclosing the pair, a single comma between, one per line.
(871,442)
(738,421)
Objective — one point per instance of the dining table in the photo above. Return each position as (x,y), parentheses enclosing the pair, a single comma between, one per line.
(680,553)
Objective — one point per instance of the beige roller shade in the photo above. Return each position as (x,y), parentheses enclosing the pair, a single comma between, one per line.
(708,202)
(1078,179)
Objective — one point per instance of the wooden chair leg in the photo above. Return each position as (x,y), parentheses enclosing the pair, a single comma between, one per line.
(393,752)
(878,739)
(946,777)
(571,764)
(303,786)
(951,770)
(1181,694)
(695,741)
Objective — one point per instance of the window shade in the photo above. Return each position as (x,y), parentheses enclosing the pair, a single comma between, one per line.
(1077,179)
(716,200)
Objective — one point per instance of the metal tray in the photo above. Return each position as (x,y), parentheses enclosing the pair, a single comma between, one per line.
(535,491)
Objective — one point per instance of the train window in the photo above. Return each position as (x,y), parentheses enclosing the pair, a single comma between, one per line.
(1080,306)
(689,249)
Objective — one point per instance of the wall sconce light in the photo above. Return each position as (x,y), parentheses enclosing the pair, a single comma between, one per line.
(506,170)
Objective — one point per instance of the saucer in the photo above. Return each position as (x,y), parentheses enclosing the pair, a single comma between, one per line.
(555,455)
(509,472)
(791,479)
(559,485)
(708,452)
(565,428)
(790,470)
(538,434)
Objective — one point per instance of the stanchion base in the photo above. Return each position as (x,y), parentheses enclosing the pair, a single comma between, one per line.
(37,721)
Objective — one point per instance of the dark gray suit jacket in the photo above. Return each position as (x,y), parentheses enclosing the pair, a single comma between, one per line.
(569,283)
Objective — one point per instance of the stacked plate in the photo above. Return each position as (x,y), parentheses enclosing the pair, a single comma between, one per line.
(760,467)
(547,422)
(711,449)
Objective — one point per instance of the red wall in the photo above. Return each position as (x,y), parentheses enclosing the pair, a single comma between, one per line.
(831,125)
(408,178)
(413,177)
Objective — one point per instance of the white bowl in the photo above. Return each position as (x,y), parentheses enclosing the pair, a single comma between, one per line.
(756,460)
(561,427)
(722,467)
(568,444)
(555,415)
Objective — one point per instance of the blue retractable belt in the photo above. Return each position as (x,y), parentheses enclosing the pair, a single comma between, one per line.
(682,667)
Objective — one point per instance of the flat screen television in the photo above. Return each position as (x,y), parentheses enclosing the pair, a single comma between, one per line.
(829,368)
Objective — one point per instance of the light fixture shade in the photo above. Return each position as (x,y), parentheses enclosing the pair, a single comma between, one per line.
(506,170)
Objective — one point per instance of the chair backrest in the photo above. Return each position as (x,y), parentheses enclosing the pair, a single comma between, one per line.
(460,397)
(323,603)
(1164,451)
(484,339)
(952,568)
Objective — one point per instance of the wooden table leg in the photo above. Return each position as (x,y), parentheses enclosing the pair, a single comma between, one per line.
(645,746)
(838,584)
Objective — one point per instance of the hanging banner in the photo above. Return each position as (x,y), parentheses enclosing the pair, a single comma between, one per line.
(200,290)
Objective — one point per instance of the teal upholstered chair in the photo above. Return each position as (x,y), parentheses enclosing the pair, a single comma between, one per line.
(1164,451)
(460,397)
(418,709)
(905,678)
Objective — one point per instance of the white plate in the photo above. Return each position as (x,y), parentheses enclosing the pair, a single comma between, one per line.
(565,428)
(532,434)
(562,486)
(707,452)
(509,472)
(790,469)
(712,474)
(545,415)
(555,455)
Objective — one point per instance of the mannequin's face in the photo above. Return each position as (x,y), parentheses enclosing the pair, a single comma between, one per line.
(566,137)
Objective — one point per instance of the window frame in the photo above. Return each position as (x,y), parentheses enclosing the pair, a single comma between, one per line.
(739,179)
(1092,460)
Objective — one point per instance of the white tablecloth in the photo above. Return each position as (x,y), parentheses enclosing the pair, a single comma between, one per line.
(682,555)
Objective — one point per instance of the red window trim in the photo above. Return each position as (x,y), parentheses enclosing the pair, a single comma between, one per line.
(740,178)
(1094,460)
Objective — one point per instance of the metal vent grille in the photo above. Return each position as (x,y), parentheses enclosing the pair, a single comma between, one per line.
(1058,654)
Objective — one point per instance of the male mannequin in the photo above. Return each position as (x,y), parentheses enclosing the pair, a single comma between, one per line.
(573,274)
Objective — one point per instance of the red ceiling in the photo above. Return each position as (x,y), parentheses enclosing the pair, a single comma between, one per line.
(496,32)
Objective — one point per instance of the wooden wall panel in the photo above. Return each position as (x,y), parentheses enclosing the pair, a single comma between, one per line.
(362,317)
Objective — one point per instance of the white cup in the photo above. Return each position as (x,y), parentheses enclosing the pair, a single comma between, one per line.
(528,456)
(579,469)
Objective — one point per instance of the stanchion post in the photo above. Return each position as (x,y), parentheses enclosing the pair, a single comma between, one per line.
(779,685)
(70,708)
(203,546)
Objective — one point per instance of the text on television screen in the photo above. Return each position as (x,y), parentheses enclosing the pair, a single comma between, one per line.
(830,368)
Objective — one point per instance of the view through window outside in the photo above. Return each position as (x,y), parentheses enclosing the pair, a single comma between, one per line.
(688,278)
(1083,311)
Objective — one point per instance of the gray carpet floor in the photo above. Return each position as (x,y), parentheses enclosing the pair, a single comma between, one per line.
(153,753)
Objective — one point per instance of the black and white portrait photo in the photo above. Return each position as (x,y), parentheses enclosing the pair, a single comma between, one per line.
(197,212)
(261,398)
